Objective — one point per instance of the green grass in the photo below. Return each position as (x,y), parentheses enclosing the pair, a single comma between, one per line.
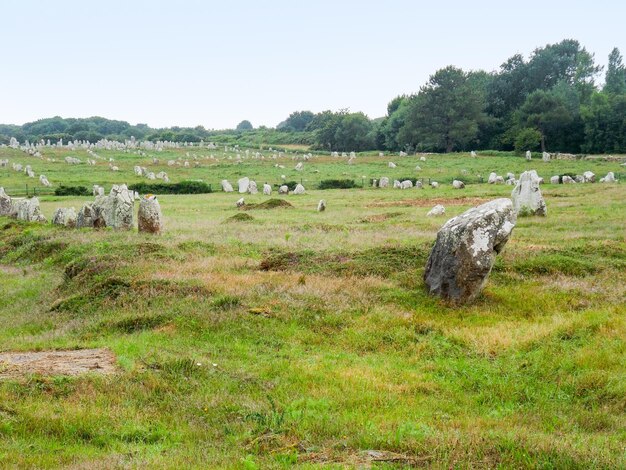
(294,337)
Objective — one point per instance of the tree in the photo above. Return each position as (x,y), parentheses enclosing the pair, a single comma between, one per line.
(297,121)
(244,125)
(446,113)
(546,112)
(527,139)
(615,74)
(605,123)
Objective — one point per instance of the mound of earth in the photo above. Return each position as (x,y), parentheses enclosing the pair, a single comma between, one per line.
(269,204)
(241,217)
(51,363)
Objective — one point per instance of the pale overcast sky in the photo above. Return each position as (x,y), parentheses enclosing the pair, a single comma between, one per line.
(192,62)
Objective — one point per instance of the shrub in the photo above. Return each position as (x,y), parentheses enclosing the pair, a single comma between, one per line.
(72,191)
(184,187)
(337,184)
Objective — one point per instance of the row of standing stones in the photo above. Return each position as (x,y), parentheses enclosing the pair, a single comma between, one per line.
(115,211)
(457,268)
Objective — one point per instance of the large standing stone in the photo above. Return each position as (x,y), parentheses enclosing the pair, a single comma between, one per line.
(384,182)
(609,178)
(529,155)
(65,217)
(284,189)
(6,207)
(267,190)
(545,156)
(299,189)
(84,218)
(252,187)
(526,196)
(114,210)
(28,210)
(466,248)
(227,187)
(554,179)
(149,217)
(492,178)
(243,185)
(589,177)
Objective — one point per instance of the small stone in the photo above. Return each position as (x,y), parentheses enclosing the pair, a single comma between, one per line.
(321,206)
(437,210)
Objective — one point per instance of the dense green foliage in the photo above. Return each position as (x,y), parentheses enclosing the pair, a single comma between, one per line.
(337,184)
(184,187)
(72,191)
(550,101)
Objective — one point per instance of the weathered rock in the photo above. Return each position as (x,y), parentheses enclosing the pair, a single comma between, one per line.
(510,176)
(545,156)
(243,184)
(406,184)
(499,180)
(418,184)
(84,218)
(579,178)
(28,210)
(568,180)
(529,155)
(98,190)
(492,178)
(609,178)
(65,216)
(299,189)
(437,210)
(240,203)
(299,166)
(384,182)
(554,179)
(252,187)
(284,189)
(149,216)
(391,165)
(321,206)
(456,184)
(267,190)
(589,177)
(466,248)
(526,196)
(434,184)
(6,207)
(43,180)
(473,154)
(114,210)
(227,187)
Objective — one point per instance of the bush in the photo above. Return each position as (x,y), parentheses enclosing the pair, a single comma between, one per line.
(184,187)
(72,191)
(290,184)
(527,139)
(337,184)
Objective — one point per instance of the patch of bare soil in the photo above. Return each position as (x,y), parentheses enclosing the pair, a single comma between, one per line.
(445,201)
(77,362)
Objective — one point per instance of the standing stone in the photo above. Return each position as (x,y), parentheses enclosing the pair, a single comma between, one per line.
(299,166)
(6,207)
(529,155)
(473,154)
(406,184)
(437,210)
(589,177)
(466,248)
(391,165)
(418,184)
(434,184)
(492,178)
(384,182)
(526,196)
(299,189)
(65,217)
(267,190)
(545,156)
(149,217)
(240,203)
(252,187)
(227,187)
(554,179)
(456,184)
(28,210)
(115,210)
(84,218)
(243,185)
(321,206)
(568,179)
(609,178)
(284,189)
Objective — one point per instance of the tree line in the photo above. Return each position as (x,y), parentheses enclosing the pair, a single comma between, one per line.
(549,102)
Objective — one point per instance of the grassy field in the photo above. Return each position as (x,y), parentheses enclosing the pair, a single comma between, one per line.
(302,338)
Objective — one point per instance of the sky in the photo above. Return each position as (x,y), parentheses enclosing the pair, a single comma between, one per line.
(192,62)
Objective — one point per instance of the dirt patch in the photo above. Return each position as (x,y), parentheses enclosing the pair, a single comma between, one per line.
(450,201)
(78,362)
(5,269)
(379,217)
(269,204)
